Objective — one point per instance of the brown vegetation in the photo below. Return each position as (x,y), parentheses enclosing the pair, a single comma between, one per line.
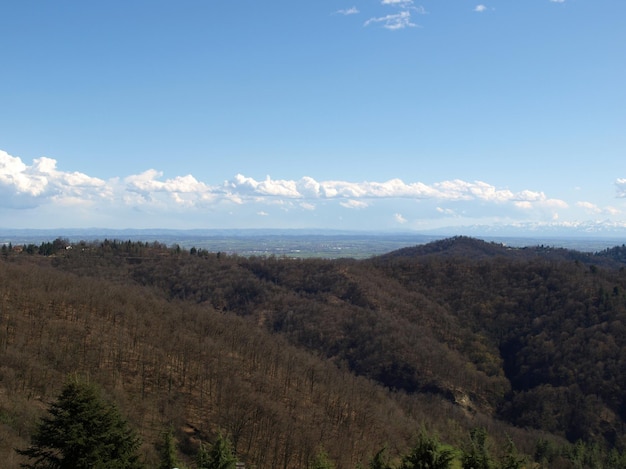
(291,357)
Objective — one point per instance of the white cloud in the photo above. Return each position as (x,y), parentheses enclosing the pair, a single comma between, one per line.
(43,180)
(589,207)
(355,194)
(268,187)
(28,185)
(182,190)
(402,3)
(621,187)
(594,209)
(462,190)
(353,204)
(399,218)
(523,204)
(308,187)
(42,184)
(446,211)
(553,203)
(480,8)
(395,21)
(557,1)
(348,11)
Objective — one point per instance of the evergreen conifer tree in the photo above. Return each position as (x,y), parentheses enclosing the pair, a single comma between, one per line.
(221,455)
(379,461)
(169,459)
(322,461)
(477,456)
(82,431)
(511,458)
(428,453)
(202,457)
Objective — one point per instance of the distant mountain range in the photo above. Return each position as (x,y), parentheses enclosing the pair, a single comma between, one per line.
(604,228)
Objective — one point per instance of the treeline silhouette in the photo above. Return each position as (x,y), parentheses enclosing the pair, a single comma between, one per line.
(291,357)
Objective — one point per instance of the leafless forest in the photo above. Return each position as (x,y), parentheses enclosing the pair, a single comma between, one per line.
(290,357)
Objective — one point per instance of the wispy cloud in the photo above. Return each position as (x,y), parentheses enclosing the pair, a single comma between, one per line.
(400,20)
(402,3)
(620,185)
(398,217)
(594,209)
(395,21)
(590,207)
(348,11)
(351,203)
(447,212)
(405,8)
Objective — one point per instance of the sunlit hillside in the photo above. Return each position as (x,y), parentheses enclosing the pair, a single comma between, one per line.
(292,358)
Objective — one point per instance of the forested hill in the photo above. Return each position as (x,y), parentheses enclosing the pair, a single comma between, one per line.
(475,249)
(291,356)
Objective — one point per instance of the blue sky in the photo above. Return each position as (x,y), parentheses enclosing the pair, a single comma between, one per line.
(361,114)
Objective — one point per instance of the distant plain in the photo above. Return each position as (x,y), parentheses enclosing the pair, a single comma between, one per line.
(293,243)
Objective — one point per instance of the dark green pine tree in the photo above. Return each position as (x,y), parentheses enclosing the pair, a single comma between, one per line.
(428,453)
(322,461)
(511,458)
(82,431)
(477,456)
(379,461)
(169,458)
(221,455)
(202,457)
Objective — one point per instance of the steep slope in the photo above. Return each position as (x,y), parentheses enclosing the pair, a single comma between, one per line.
(170,363)
(556,323)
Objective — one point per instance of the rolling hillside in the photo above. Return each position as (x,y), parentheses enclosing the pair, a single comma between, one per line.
(289,357)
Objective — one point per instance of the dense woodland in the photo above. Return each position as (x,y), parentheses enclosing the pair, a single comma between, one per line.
(350,359)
